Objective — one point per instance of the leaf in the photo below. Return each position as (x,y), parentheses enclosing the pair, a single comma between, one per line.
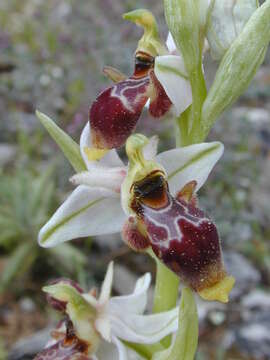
(18,263)
(69,257)
(69,147)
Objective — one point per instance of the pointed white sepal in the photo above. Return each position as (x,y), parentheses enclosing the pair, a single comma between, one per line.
(86,212)
(189,163)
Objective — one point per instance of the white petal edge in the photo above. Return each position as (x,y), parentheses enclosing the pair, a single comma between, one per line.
(124,352)
(111,159)
(188,163)
(144,329)
(86,212)
(134,303)
(171,73)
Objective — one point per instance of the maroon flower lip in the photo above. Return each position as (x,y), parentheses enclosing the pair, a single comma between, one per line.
(116,111)
(181,235)
(69,347)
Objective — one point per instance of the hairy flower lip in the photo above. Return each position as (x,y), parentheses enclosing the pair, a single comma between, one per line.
(181,235)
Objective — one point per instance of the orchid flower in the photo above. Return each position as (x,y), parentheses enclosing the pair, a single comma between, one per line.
(159,78)
(98,328)
(95,206)
(99,205)
(165,217)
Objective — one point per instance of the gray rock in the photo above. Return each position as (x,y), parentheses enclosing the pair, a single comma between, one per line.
(257,299)
(253,337)
(7,153)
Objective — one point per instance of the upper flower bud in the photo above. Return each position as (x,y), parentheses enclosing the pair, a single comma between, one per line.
(227,19)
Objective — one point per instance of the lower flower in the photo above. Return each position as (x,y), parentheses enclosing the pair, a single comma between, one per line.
(100,327)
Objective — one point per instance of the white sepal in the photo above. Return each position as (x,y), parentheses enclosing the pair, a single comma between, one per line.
(86,212)
(171,73)
(189,163)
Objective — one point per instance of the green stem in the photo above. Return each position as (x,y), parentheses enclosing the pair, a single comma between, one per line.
(186,340)
(199,93)
(185,345)
(166,290)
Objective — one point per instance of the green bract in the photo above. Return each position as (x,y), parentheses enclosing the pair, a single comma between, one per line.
(238,66)
(226,21)
(183,19)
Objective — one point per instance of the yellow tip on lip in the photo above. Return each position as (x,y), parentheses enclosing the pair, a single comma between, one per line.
(94,154)
(220,291)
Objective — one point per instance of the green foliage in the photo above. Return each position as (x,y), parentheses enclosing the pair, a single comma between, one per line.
(27,201)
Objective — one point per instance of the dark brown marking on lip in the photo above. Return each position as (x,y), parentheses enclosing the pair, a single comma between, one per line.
(143,64)
(150,191)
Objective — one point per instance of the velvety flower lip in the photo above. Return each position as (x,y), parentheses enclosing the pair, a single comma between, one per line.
(110,321)
(96,207)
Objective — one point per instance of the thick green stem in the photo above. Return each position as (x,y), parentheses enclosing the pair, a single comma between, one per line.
(199,93)
(185,345)
(166,292)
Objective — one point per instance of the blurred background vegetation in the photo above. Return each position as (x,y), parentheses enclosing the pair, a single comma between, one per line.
(51,58)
